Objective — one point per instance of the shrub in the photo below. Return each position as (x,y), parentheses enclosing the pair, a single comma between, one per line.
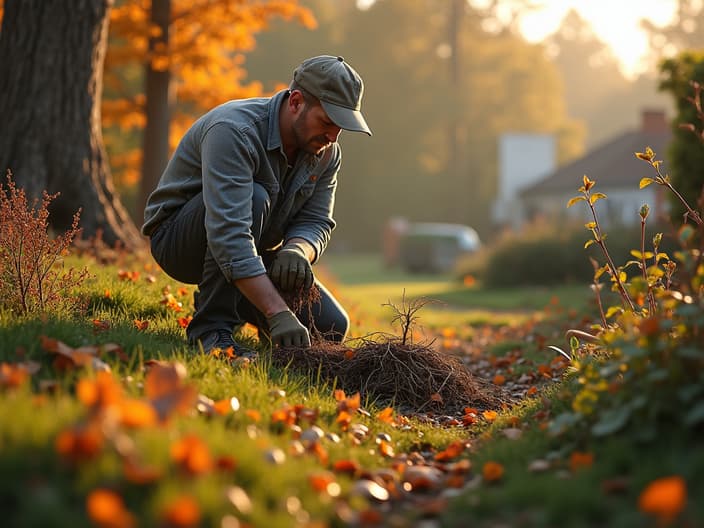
(643,367)
(544,256)
(32,274)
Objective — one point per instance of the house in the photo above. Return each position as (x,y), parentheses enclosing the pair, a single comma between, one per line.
(617,173)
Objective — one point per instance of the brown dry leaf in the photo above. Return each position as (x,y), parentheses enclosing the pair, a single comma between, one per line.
(68,357)
(422,478)
(167,391)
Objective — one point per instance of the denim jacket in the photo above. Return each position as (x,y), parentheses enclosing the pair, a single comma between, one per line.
(222,155)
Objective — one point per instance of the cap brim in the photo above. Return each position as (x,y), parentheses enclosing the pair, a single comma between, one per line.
(345,118)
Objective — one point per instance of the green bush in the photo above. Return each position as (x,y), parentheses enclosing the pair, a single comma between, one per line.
(548,257)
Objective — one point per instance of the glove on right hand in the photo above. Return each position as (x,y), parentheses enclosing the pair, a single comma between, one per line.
(291,270)
(287,331)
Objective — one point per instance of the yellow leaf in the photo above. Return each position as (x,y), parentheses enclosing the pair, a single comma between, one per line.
(575,200)
(596,196)
(644,182)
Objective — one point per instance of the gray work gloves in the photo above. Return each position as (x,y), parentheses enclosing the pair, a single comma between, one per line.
(287,331)
(291,270)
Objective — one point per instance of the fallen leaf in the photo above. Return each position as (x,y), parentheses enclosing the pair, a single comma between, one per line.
(182,512)
(664,498)
(106,509)
(492,471)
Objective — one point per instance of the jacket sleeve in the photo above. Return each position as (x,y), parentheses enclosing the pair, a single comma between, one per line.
(228,166)
(314,222)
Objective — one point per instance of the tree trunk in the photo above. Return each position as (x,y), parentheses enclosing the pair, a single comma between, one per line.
(159,97)
(51,63)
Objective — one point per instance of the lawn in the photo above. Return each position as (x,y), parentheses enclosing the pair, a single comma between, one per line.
(111,420)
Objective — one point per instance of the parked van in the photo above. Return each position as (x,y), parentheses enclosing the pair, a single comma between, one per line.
(428,247)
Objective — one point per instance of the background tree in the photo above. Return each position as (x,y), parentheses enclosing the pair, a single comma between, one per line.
(596,90)
(51,62)
(169,61)
(686,31)
(406,168)
(686,156)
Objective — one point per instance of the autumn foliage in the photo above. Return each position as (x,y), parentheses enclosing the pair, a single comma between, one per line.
(203,54)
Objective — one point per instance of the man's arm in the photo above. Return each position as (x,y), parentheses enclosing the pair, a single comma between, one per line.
(262,293)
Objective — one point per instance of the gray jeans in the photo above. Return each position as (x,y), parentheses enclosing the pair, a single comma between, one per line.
(180,247)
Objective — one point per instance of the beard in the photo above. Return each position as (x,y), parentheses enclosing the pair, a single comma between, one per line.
(310,145)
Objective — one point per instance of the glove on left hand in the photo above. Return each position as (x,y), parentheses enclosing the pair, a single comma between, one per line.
(291,269)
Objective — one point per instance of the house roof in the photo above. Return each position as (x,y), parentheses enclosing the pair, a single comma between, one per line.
(613,163)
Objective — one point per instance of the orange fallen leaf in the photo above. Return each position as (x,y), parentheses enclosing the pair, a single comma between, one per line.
(182,512)
(579,460)
(80,443)
(253,415)
(321,480)
(137,413)
(192,455)
(499,379)
(346,466)
(107,509)
(664,498)
(386,416)
(183,322)
(101,392)
(386,449)
(141,325)
(454,450)
(490,416)
(13,375)
(492,471)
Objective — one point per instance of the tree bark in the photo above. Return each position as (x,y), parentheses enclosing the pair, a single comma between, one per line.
(51,63)
(159,98)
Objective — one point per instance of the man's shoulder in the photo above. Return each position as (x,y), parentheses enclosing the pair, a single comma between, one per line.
(240,111)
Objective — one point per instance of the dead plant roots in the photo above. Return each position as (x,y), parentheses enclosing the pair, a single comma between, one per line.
(410,377)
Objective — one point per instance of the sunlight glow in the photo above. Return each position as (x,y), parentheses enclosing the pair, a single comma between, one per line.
(617,23)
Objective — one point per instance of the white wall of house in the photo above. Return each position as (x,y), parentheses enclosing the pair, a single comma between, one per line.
(524,159)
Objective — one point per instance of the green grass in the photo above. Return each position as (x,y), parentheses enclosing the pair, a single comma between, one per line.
(39,487)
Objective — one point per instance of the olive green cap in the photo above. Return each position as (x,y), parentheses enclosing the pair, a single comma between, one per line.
(338,87)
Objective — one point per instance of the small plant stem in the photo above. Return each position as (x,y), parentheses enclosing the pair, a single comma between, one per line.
(643,266)
(664,181)
(599,304)
(612,267)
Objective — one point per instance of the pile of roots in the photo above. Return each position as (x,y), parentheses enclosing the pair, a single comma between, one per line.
(410,377)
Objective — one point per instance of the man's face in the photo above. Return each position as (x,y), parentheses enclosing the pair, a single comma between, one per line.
(313,130)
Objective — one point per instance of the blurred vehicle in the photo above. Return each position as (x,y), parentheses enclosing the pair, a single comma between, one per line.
(428,247)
